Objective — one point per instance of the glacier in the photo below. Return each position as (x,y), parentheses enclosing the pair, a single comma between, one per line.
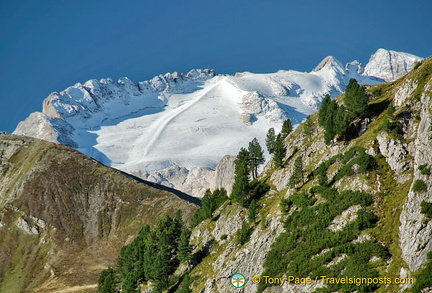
(192,120)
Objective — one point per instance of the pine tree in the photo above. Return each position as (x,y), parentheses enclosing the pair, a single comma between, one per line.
(130,284)
(322,112)
(162,265)
(243,233)
(184,248)
(252,211)
(356,100)
(297,174)
(149,257)
(256,157)
(329,127)
(240,187)
(270,140)
(308,127)
(286,128)
(341,121)
(279,151)
(209,203)
(107,281)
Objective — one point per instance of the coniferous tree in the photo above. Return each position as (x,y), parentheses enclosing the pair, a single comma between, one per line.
(130,284)
(322,112)
(297,174)
(341,121)
(149,257)
(329,127)
(252,210)
(243,233)
(308,127)
(270,140)
(240,187)
(107,281)
(162,265)
(256,157)
(279,151)
(286,128)
(209,203)
(184,247)
(356,100)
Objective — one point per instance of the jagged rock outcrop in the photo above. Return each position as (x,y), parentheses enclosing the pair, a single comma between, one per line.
(395,153)
(197,180)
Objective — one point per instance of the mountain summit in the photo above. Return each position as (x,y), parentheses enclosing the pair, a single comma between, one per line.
(390,65)
(142,127)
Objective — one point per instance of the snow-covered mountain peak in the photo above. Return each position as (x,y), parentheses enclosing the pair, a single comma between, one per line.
(330,63)
(390,65)
(189,120)
(354,68)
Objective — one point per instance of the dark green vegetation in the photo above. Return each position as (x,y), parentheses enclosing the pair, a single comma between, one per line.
(209,203)
(354,161)
(426,209)
(243,233)
(286,128)
(419,186)
(308,127)
(244,190)
(279,151)
(153,255)
(270,140)
(338,120)
(297,173)
(424,170)
(308,247)
(256,157)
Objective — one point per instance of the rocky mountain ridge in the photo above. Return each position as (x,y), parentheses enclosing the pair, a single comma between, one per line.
(64,216)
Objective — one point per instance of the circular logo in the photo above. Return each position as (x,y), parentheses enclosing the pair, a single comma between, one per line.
(238,280)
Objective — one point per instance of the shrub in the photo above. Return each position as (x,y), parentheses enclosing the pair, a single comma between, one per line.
(223,237)
(419,186)
(426,209)
(424,169)
(298,250)
(417,65)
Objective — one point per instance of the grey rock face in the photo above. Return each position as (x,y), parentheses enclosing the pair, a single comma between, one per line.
(415,230)
(196,181)
(48,128)
(404,92)
(247,259)
(395,153)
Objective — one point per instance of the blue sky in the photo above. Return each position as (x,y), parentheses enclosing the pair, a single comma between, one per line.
(49,45)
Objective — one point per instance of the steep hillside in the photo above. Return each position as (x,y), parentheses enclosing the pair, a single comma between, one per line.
(358,207)
(132,127)
(64,216)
